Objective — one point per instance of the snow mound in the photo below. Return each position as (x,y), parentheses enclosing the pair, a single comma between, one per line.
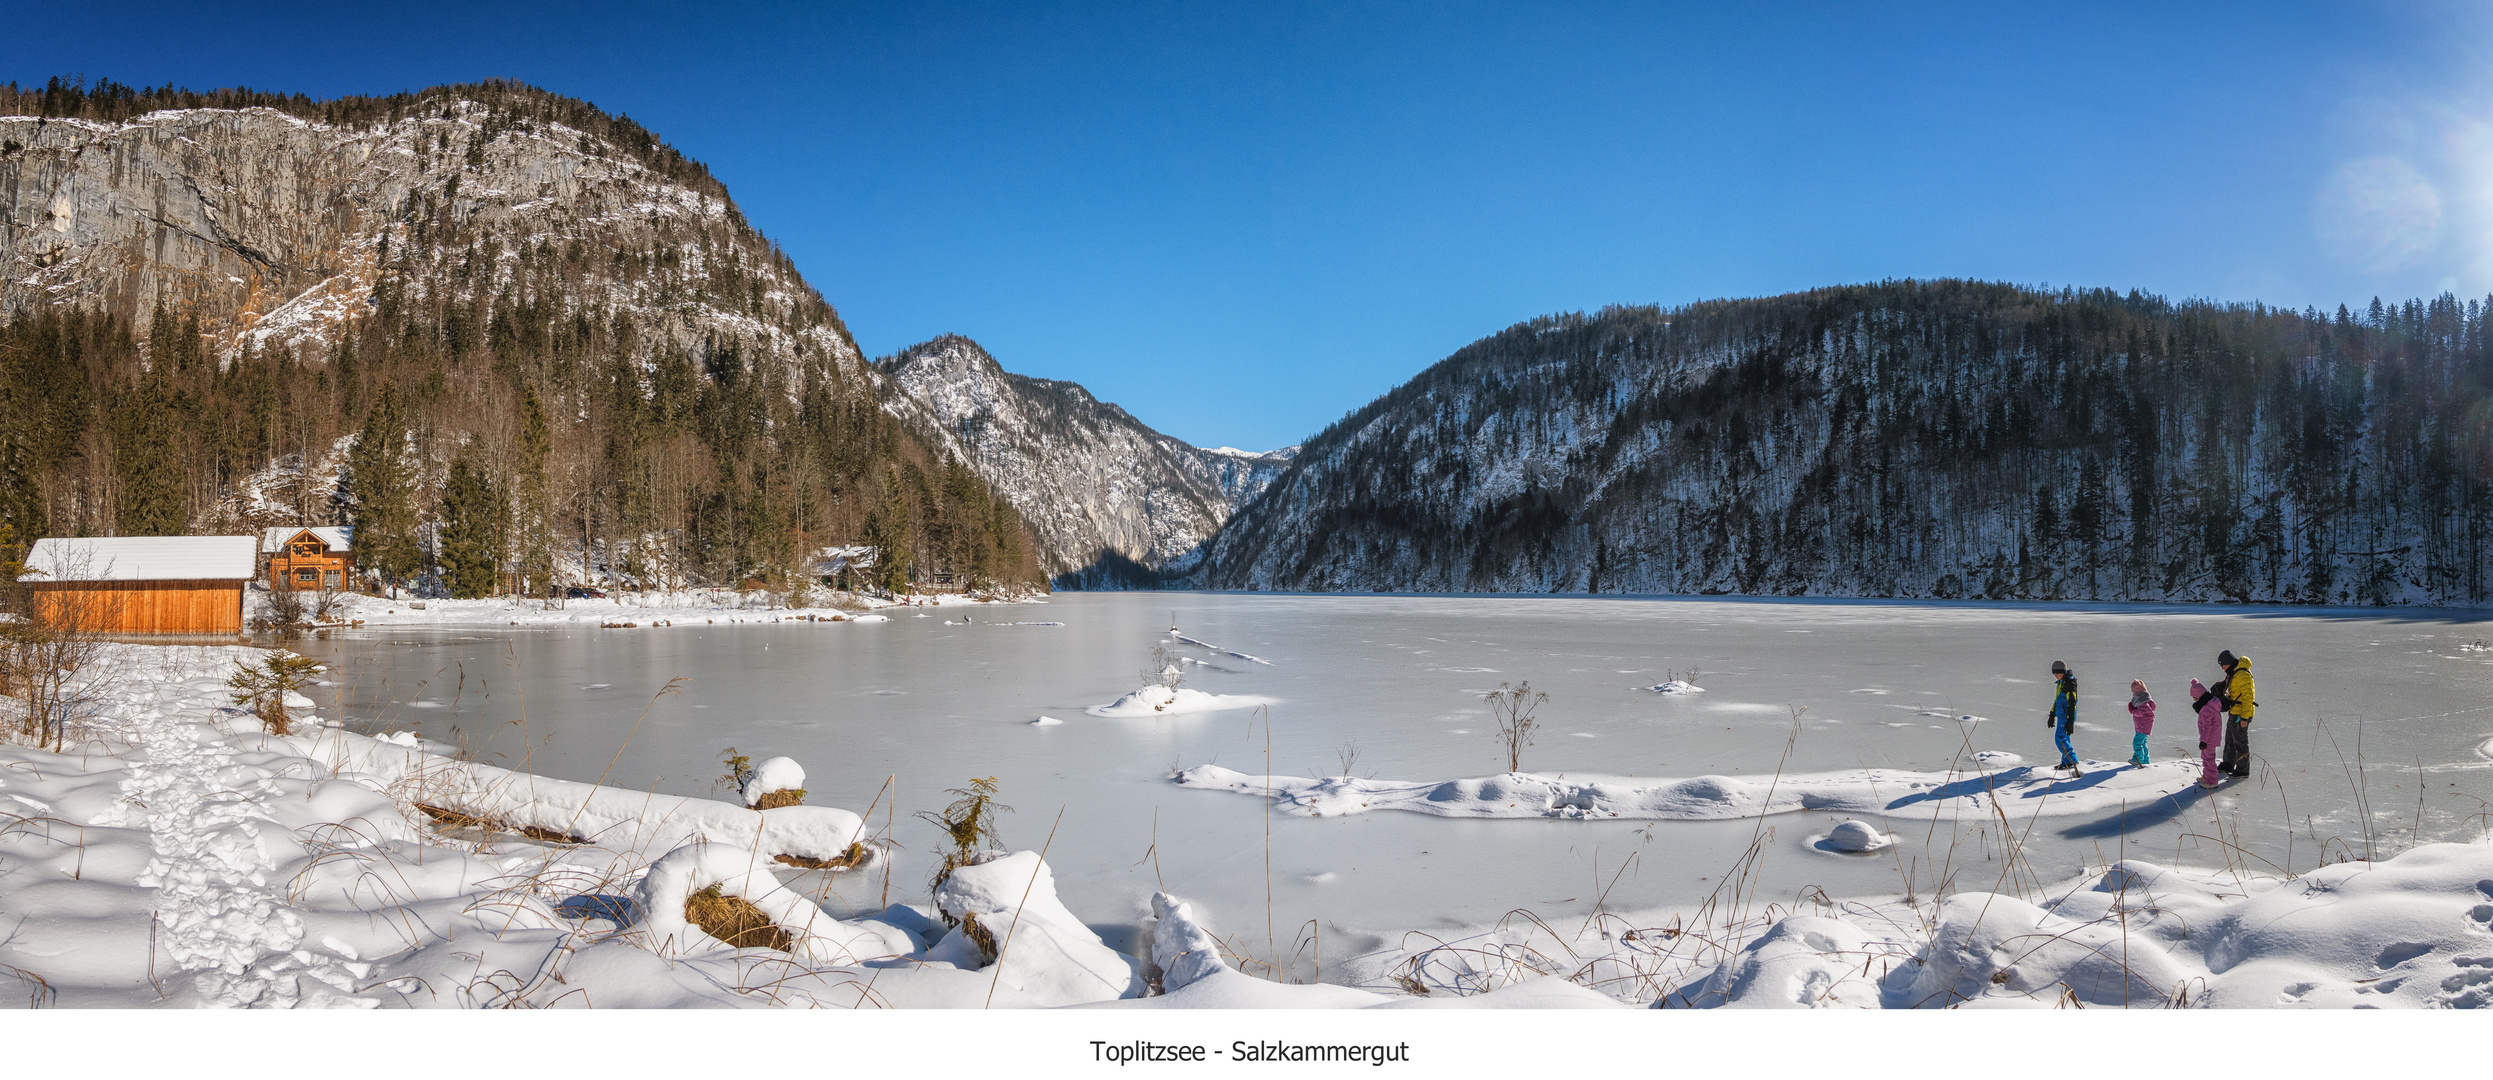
(1045,721)
(1164,701)
(1853,837)
(1047,955)
(1804,962)
(775,774)
(1180,947)
(614,819)
(870,618)
(738,872)
(1678,686)
(2019,790)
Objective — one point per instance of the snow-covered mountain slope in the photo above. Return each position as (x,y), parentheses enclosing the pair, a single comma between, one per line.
(543,287)
(1099,489)
(272,229)
(1914,439)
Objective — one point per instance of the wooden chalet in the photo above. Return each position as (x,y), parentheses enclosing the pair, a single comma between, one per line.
(309,557)
(140,584)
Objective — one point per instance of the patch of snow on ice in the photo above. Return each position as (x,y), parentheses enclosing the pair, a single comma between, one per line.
(2019,790)
(1853,838)
(1163,701)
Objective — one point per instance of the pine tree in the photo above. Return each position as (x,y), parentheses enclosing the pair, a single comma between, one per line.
(380,493)
(536,504)
(887,529)
(147,461)
(2086,517)
(473,516)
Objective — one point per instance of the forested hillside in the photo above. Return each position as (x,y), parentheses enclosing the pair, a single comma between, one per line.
(485,323)
(1914,439)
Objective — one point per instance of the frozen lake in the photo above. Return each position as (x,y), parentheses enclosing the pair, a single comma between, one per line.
(930,703)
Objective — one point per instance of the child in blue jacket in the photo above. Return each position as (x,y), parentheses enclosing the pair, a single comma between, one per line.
(2063,718)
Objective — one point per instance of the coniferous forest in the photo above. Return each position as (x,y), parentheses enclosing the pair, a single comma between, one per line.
(1935,439)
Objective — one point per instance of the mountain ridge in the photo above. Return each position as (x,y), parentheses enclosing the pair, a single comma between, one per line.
(1113,502)
(1947,439)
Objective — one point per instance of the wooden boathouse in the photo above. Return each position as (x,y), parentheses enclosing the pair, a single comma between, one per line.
(141,584)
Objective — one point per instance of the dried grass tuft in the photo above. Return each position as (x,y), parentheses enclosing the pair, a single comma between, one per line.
(459,819)
(772,800)
(850,859)
(980,936)
(734,920)
(443,815)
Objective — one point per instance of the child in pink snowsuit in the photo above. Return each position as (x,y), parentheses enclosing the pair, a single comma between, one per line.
(2141,714)
(2211,731)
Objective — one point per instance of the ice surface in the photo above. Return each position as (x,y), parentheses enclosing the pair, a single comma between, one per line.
(1401,676)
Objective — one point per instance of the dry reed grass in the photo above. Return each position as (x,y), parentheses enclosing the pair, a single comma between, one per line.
(734,920)
(772,800)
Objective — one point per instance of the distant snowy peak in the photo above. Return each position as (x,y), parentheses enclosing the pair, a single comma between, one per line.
(1283,454)
(1111,501)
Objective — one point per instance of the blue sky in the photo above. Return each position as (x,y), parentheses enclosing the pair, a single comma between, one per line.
(1241,221)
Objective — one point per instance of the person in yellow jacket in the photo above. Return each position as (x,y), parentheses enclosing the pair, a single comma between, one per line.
(2236,694)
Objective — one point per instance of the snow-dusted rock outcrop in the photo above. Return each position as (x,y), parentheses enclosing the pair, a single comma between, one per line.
(1091,481)
(276,230)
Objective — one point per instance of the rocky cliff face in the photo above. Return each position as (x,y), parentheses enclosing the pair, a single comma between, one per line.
(274,230)
(1111,501)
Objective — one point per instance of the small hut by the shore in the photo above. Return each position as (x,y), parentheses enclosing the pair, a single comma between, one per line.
(141,584)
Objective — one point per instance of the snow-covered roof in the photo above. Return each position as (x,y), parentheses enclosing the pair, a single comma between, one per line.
(140,558)
(338,537)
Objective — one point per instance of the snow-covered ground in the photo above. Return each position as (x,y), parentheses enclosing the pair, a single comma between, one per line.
(1158,700)
(179,856)
(2411,931)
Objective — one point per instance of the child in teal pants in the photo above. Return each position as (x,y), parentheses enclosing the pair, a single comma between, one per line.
(2142,716)
(2063,717)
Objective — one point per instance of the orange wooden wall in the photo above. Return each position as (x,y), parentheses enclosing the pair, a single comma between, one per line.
(145,607)
(281,567)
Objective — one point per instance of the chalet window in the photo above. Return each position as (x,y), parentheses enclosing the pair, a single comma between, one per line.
(305,551)
(329,580)
(307,575)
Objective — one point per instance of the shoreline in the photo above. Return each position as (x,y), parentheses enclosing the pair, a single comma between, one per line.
(180,856)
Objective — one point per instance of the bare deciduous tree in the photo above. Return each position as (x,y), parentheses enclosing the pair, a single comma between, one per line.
(51,647)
